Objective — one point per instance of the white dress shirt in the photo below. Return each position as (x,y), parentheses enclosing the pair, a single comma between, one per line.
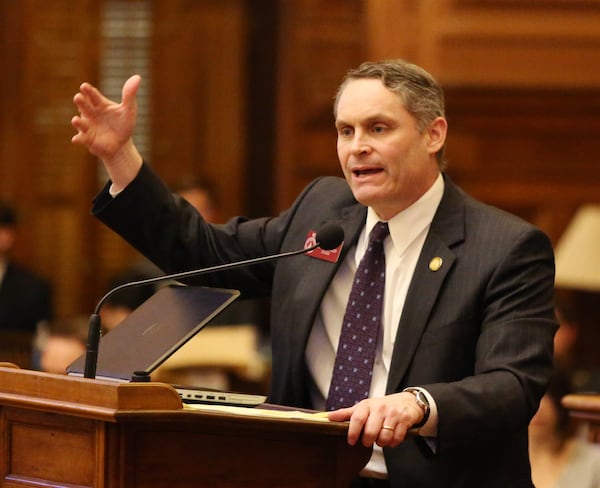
(408,231)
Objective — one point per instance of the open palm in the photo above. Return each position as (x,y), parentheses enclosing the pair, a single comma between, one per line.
(105,126)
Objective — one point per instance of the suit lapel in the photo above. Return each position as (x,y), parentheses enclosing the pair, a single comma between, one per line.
(317,275)
(321,272)
(447,229)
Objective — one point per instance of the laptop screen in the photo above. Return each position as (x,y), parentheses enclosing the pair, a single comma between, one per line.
(155,330)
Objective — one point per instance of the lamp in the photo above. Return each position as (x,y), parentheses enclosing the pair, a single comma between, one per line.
(578,251)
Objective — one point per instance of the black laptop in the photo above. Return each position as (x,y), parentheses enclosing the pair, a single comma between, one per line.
(158,328)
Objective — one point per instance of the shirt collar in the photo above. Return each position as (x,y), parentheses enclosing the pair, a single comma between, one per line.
(412,221)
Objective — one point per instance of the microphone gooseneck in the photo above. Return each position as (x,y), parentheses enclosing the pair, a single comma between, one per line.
(328,237)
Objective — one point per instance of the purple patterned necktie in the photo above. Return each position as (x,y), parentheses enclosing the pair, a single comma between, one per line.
(353,367)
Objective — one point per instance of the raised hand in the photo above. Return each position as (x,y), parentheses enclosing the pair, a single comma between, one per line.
(106,128)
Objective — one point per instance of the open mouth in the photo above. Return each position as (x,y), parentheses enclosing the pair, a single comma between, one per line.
(364,172)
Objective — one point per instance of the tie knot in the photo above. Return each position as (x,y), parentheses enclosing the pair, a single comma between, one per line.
(379,232)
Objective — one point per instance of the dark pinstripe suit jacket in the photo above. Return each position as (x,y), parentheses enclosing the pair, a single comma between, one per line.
(477,333)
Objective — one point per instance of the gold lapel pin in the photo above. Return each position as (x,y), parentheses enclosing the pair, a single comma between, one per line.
(435,264)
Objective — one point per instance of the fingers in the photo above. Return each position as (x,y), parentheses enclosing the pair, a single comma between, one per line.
(104,126)
(89,99)
(361,422)
(376,415)
(83,103)
(90,95)
(81,126)
(391,435)
(340,415)
(387,434)
(383,421)
(130,88)
(384,428)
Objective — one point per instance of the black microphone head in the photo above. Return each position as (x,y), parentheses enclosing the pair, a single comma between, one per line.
(330,236)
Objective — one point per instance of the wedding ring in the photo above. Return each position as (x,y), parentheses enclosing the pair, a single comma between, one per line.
(388,427)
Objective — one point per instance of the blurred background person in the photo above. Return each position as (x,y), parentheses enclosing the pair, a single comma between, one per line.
(58,343)
(559,457)
(202,196)
(25,297)
(64,342)
(232,352)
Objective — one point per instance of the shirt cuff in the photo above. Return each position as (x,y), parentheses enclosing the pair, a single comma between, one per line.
(113,193)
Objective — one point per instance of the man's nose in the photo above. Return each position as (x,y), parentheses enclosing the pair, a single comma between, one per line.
(360,143)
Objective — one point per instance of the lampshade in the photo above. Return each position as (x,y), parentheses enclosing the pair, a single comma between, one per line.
(578,251)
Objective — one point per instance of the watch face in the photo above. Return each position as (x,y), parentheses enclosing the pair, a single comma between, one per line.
(422,403)
(422,399)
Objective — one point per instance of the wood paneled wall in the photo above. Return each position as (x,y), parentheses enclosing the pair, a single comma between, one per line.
(47,49)
(522,82)
(318,42)
(200,79)
(242,95)
(198,108)
(199,90)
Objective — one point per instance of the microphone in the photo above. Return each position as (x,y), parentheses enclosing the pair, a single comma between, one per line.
(328,237)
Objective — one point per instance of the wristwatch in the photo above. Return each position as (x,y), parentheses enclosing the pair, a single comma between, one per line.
(422,403)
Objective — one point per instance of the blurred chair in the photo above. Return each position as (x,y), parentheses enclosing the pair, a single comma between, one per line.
(577,251)
(225,357)
(578,293)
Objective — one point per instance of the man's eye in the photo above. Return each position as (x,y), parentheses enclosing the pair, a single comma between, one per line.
(345,131)
(378,129)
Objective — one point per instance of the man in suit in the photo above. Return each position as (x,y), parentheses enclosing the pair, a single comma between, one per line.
(25,297)
(464,350)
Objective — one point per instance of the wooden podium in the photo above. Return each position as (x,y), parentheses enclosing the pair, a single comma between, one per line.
(60,431)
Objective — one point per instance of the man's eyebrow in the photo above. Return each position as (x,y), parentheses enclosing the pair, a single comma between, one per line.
(377,117)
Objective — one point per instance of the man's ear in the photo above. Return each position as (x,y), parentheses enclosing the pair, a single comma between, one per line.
(437,134)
